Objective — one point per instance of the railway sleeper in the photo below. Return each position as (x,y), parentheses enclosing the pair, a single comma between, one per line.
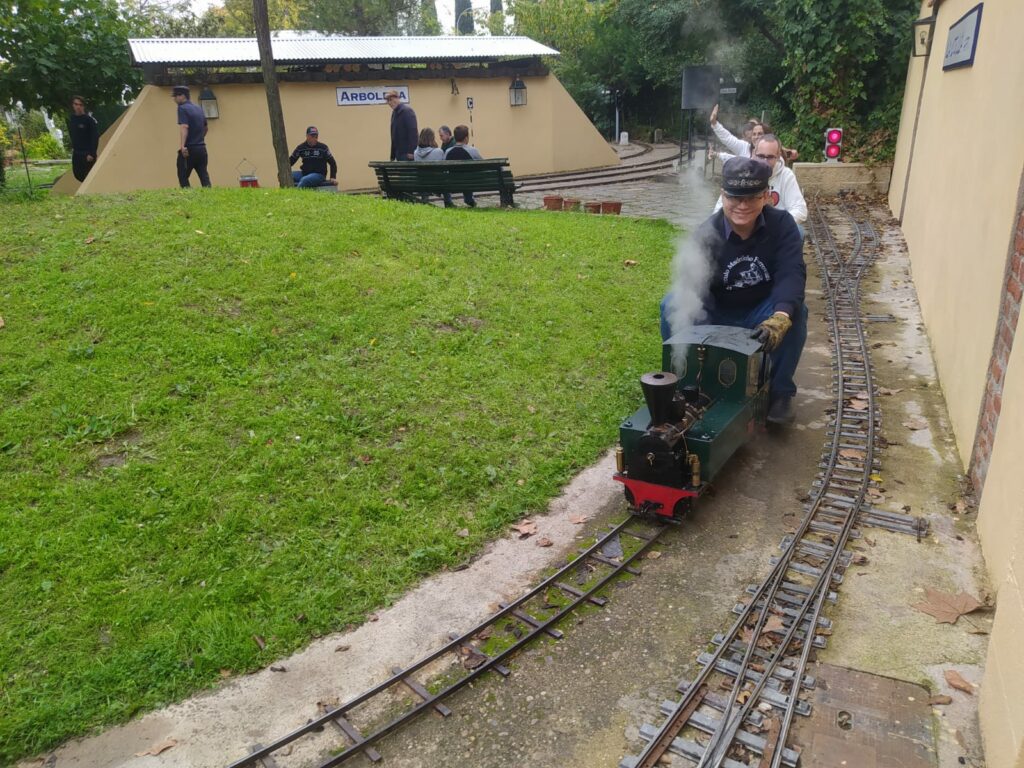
(810,570)
(780,675)
(772,696)
(753,742)
(691,750)
(791,586)
(531,621)
(784,613)
(422,692)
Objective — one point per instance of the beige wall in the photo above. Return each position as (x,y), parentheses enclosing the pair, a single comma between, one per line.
(550,133)
(960,202)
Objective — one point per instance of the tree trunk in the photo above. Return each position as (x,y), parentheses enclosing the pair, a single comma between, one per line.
(284,170)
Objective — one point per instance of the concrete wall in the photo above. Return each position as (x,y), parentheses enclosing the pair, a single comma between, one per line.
(958,186)
(831,178)
(549,134)
(960,197)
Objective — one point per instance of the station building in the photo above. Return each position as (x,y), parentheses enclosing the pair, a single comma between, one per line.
(958,191)
(498,86)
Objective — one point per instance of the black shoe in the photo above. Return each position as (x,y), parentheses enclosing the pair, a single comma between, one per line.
(781,410)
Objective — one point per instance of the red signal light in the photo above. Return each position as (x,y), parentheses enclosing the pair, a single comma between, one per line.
(833,143)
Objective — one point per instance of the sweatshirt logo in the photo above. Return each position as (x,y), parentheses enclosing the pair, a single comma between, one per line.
(744,272)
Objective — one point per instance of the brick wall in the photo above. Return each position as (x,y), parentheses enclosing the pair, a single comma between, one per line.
(1006,328)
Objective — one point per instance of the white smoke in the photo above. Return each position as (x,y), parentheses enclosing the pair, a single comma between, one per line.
(691,278)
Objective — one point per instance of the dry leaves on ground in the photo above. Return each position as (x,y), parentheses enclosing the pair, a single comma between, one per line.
(577,519)
(544,542)
(1,322)
(629,263)
(956,681)
(915,424)
(852,453)
(946,607)
(887,391)
(525,528)
(940,699)
(259,641)
(156,749)
(653,555)
(462,533)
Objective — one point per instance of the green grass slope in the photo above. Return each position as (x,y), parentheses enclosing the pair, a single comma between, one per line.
(232,413)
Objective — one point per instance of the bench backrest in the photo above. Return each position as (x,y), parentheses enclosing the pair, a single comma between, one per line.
(444,176)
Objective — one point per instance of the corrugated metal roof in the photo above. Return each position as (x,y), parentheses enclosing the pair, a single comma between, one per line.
(312,48)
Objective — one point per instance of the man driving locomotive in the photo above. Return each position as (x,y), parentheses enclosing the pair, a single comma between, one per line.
(757,276)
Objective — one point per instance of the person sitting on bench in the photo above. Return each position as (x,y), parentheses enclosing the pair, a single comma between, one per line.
(315,159)
(463,150)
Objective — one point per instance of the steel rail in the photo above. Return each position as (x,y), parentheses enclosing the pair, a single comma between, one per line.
(507,611)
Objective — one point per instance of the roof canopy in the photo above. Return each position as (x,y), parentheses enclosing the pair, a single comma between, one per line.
(309,49)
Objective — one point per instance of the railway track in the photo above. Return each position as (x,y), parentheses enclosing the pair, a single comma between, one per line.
(761,660)
(374,714)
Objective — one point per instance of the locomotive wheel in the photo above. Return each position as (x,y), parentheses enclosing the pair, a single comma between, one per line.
(681,509)
(630,498)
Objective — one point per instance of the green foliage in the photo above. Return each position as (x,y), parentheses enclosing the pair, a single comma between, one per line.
(45,147)
(51,49)
(175,18)
(428,25)
(220,415)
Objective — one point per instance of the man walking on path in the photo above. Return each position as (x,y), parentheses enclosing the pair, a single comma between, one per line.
(191,139)
(315,159)
(404,133)
(85,138)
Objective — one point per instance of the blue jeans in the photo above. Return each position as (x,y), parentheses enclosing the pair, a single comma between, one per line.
(307,181)
(784,359)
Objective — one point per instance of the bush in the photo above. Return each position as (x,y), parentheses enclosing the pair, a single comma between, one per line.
(45,147)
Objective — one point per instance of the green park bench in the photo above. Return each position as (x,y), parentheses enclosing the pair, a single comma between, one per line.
(408,180)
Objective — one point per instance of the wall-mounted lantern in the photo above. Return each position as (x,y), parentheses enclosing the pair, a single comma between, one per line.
(209,103)
(517,92)
(923,29)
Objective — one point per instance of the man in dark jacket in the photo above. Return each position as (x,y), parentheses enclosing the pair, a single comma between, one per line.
(404,132)
(192,154)
(755,255)
(315,159)
(85,138)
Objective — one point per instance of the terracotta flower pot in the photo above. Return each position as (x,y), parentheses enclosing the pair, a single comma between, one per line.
(613,207)
(593,207)
(570,204)
(552,202)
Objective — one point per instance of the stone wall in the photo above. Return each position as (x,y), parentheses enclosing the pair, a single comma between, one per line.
(830,178)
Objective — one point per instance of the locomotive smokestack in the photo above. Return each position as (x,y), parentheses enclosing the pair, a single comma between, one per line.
(659,387)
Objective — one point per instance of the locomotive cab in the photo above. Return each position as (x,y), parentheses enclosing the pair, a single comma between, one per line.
(705,403)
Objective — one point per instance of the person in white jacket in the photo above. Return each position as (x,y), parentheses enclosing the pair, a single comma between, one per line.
(753,130)
(784,191)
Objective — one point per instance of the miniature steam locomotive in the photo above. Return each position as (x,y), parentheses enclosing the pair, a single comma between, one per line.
(706,402)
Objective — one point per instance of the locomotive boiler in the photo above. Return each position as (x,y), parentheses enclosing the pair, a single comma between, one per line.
(707,401)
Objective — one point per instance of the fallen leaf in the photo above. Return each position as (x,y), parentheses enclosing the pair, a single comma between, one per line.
(916,424)
(774,624)
(2,322)
(945,607)
(259,641)
(462,533)
(278,669)
(876,478)
(859,405)
(225,673)
(574,519)
(526,528)
(852,453)
(544,542)
(200,232)
(939,699)
(960,506)
(955,680)
(653,555)
(90,239)
(887,391)
(340,648)
(156,749)
(629,263)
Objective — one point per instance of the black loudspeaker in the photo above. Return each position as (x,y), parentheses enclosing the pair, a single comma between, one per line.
(700,86)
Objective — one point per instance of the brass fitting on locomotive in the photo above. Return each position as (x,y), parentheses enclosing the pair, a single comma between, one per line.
(620,460)
(694,461)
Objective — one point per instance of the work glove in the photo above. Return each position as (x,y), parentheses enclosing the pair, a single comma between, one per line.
(771,331)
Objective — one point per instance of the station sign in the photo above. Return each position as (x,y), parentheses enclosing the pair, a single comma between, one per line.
(962,41)
(370,95)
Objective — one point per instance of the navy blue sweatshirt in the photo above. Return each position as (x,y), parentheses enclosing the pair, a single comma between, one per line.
(404,133)
(85,134)
(315,159)
(770,263)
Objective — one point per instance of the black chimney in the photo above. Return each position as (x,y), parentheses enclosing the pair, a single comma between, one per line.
(659,388)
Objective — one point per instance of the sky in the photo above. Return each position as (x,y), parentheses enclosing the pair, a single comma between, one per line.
(445,10)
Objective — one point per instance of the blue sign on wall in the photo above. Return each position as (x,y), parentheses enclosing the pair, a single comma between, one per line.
(962,41)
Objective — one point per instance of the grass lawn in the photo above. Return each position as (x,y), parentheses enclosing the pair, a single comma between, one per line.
(230,413)
(17,179)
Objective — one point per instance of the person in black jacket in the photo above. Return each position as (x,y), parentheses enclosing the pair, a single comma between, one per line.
(315,159)
(404,133)
(755,255)
(85,138)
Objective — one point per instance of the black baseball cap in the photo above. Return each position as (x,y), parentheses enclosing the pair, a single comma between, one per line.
(744,176)
(180,90)
(312,131)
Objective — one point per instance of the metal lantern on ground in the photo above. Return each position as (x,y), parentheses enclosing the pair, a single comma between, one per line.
(517,93)
(209,104)
(833,144)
